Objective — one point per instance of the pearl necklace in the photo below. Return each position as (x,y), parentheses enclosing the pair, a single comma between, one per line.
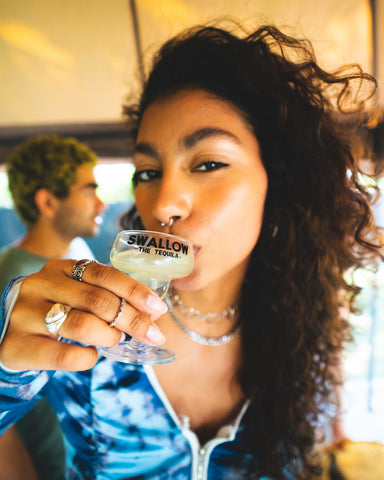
(196,337)
(210,317)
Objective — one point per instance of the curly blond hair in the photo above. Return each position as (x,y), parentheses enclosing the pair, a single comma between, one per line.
(44,161)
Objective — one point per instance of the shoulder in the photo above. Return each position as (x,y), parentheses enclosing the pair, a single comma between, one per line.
(15,261)
(9,257)
(7,251)
(13,255)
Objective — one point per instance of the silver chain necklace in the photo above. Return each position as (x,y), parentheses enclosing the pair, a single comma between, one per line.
(210,317)
(196,337)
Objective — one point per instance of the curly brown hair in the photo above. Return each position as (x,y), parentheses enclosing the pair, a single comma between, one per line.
(317,222)
(44,161)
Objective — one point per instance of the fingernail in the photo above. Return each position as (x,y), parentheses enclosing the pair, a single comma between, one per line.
(156,305)
(155,335)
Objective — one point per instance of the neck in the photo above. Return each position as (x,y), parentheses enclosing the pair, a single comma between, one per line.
(43,240)
(213,298)
(210,317)
(205,334)
(216,296)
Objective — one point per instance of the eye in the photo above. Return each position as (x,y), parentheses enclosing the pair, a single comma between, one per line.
(91,190)
(209,166)
(145,176)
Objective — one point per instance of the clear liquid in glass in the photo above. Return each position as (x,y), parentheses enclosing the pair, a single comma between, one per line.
(154,259)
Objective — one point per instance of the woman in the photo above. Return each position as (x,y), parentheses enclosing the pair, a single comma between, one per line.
(240,150)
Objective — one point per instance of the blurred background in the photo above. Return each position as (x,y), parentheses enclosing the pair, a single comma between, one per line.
(66,68)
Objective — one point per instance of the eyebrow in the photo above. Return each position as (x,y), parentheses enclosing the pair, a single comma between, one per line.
(146,149)
(191,140)
(91,185)
(187,142)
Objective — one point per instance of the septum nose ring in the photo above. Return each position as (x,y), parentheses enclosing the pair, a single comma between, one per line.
(169,224)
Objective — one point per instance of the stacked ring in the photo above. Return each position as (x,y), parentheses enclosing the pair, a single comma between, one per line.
(122,305)
(56,316)
(79,268)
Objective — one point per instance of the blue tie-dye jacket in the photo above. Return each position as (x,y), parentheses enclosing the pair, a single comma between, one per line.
(118,424)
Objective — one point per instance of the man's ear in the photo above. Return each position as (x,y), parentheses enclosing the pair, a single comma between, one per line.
(46,202)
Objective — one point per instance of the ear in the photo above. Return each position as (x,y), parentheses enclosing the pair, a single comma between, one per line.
(46,202)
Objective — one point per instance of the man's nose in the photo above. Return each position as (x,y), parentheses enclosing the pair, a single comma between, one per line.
(101,206)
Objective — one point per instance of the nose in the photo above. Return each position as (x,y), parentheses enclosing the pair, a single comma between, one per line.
(100,205)
(173,200)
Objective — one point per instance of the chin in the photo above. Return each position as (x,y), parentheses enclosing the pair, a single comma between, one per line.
(190,283)
(93,231)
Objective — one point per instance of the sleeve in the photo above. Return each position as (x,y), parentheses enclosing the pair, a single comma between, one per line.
(19,391)
(7,303)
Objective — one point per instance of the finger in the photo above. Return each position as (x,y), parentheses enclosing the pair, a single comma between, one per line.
(87,328)
(137,295)
(139,326)
(78,325)
(93,329)
(122,285)
(93,299)
(34,352)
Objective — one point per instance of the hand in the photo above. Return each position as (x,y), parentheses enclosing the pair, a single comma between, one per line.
(95,303)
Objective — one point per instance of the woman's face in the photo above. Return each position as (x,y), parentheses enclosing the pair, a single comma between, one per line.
(197,159)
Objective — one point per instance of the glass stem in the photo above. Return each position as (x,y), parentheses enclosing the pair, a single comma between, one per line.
(137,345)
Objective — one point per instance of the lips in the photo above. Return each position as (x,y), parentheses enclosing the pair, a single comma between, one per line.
(196,248)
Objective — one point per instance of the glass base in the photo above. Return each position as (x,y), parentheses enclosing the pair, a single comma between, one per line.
(138,353)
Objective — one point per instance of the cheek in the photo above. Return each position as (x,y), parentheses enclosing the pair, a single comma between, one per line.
(144,204)
(234,221)
(239,210)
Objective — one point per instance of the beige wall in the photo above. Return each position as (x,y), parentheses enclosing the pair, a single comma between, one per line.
(64,61)
(75,61)
(340,30)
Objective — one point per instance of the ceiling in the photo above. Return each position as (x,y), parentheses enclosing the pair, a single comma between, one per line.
(67,66)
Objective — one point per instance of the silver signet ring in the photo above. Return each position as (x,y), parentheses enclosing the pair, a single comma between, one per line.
(56,317)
